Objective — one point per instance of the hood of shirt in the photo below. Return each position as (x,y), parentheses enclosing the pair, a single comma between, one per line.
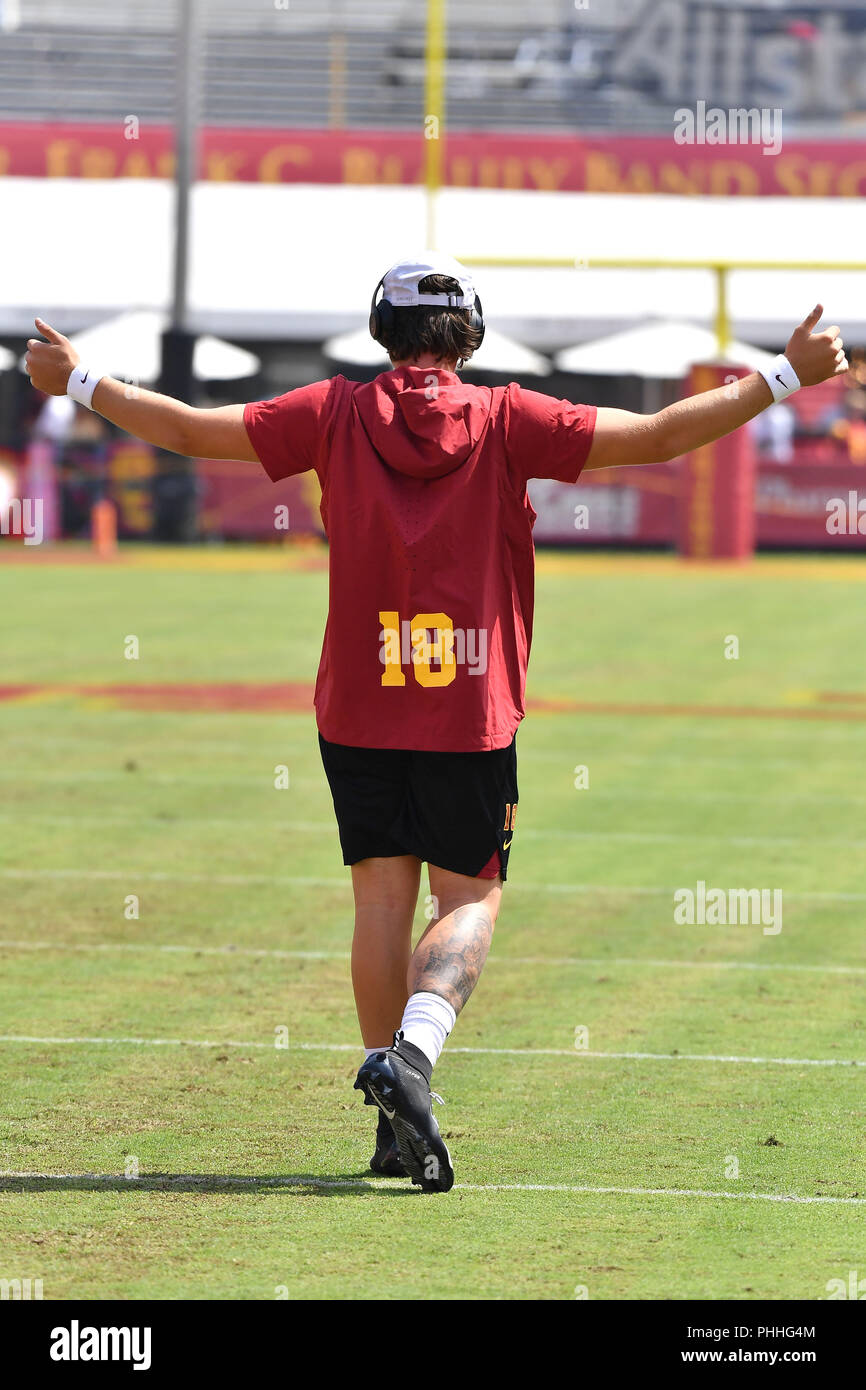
(422,421)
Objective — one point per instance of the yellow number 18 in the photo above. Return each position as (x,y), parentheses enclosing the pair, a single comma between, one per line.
(424,651)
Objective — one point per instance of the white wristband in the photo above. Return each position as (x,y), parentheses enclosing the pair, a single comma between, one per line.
(82,383)
(781,378)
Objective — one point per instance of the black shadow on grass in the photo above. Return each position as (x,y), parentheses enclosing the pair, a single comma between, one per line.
(295,1184)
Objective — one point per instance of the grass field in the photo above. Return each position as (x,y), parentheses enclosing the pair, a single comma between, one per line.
(609,1170)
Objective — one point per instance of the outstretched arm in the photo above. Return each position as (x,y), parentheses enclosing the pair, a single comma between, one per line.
(159,420)
(622,437)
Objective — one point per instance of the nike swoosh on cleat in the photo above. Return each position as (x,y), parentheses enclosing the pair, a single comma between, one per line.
(389,1114)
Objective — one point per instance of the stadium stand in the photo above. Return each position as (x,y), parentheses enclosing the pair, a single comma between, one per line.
(347,62)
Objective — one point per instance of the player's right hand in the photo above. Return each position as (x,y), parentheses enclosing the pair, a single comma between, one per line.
(816,356)
(48,364)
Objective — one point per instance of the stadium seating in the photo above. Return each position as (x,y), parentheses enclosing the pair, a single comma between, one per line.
(280,63)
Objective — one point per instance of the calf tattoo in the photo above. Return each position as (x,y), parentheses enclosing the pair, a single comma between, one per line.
(449,957)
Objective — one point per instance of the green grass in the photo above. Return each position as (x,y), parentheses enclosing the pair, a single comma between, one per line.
(99,802)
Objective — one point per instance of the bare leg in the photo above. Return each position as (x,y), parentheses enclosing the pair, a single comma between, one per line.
(449,957)
(386,892)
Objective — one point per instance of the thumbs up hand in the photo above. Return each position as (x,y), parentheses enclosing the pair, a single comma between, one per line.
(48,364)
(816,356)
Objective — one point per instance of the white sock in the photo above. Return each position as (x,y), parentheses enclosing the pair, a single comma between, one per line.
(427,1021)
(371,1051)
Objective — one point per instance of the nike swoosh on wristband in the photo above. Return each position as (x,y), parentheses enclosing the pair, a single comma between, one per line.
(780,381)
(86,375)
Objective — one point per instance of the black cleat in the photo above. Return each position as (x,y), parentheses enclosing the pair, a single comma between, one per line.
(386,1159)
(398,1081)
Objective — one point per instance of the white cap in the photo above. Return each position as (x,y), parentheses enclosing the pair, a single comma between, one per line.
(400,284)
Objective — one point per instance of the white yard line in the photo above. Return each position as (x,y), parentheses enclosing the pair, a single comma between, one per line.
(657,1192)
(146,876)
(662,1056)
(305,827)
(590,962)
(299,881)
(259,782)
(31,1039)
(367,1184)
(122,946)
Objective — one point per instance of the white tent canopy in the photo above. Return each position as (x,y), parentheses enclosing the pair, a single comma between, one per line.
(497,353)
(130,346)
(664,350)
(300,261)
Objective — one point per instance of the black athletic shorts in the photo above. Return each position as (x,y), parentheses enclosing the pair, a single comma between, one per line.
(453,810)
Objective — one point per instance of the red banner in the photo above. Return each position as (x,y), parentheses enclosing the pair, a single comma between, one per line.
(596,164)
(238,500)
(815,506)
(819,506)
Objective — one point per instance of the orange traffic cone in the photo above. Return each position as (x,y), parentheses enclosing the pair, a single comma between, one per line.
(103,529)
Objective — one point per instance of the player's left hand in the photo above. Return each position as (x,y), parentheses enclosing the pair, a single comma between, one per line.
(816,357)
(48,364)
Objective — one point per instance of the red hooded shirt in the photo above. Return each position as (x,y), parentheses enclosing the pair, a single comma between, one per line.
(425,507)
